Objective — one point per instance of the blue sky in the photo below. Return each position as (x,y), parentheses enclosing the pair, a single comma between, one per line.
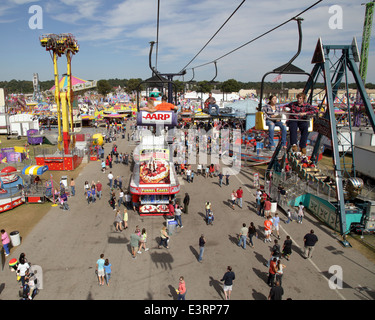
(114,36)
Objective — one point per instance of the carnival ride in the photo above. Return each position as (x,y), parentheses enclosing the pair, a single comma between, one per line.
(335,200)
(10,189)
(59,45)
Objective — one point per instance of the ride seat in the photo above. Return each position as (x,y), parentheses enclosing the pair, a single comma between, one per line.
(260,122)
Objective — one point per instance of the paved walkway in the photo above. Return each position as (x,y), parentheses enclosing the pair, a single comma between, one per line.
(67,245)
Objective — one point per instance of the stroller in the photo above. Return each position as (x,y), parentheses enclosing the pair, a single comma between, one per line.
(210,218)
(25,291)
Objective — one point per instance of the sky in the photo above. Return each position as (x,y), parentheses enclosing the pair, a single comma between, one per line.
(114,36)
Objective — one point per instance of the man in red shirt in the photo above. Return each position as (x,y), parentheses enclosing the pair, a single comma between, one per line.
(99,190)
(272,272)
(171,208)
(267,207)
(239,197)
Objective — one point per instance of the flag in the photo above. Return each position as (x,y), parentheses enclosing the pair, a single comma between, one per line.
(277,78)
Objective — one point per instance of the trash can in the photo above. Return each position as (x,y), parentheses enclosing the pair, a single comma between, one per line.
(15,238)
(172,225)
(273,207)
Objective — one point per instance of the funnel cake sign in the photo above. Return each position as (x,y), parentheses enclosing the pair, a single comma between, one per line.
(154,166)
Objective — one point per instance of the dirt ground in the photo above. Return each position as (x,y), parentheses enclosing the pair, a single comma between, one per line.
(25,217)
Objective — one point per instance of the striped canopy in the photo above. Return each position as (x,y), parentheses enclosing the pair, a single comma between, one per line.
(63,83)
(34,170)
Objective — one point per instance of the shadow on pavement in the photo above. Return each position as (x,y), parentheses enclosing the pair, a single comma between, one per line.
(163,259)
(217,285)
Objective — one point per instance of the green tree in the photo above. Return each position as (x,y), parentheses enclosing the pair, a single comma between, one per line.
(179,86)
(203,87)
(230,85)
(133,85)
(103,87)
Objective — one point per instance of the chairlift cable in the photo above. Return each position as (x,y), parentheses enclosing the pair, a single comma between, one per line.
(214,35)
(260,36)
(157,36)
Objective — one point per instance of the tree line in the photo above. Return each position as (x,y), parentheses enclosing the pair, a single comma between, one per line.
(105,86)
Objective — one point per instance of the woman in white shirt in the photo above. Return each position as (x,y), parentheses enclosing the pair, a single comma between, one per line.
(233,198)
(300,212)
(21,270)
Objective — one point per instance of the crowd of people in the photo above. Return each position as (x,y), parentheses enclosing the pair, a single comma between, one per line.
(138,239)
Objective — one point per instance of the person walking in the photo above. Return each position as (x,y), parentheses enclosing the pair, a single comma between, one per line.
(208,209)
(275,253)
(171,208)
(233,198)
(272,272)
(221,176)
(72,187)
(128,200)
(177,215)
(287,248)
(228,278)
(310,239)
(99,190)
(22,267)
(181,291)
(300,213)
(86,187)
(289,215)
(112,202)
(118,221)
(267,207)
(239,197)
(227,179)
(258,195)
(243,236)
(126,218)
(202,242)
(107,271)
(252,232)
(186,203)
(267,229)
(192,176)
(100,269)
(143,241)
(279,271)
(5,240)
(120,198)
(275,226)
(64,199)
(164,238)
(134,244)
(110,179)
(188,174)
(276,292)
(89,196)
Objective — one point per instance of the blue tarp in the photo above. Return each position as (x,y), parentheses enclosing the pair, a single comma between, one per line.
(243,107)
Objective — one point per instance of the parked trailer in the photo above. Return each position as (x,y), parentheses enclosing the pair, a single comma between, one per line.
(364,162)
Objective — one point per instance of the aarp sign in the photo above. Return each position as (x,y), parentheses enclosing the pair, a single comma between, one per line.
(166,118)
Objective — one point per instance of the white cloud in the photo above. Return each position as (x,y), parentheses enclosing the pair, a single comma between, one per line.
(20,2)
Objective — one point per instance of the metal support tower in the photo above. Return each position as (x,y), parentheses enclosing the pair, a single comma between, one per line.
(335,70)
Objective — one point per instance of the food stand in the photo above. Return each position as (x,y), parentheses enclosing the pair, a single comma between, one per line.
(154,178)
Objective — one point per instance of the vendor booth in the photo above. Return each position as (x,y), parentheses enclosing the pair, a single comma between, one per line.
(154,179)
